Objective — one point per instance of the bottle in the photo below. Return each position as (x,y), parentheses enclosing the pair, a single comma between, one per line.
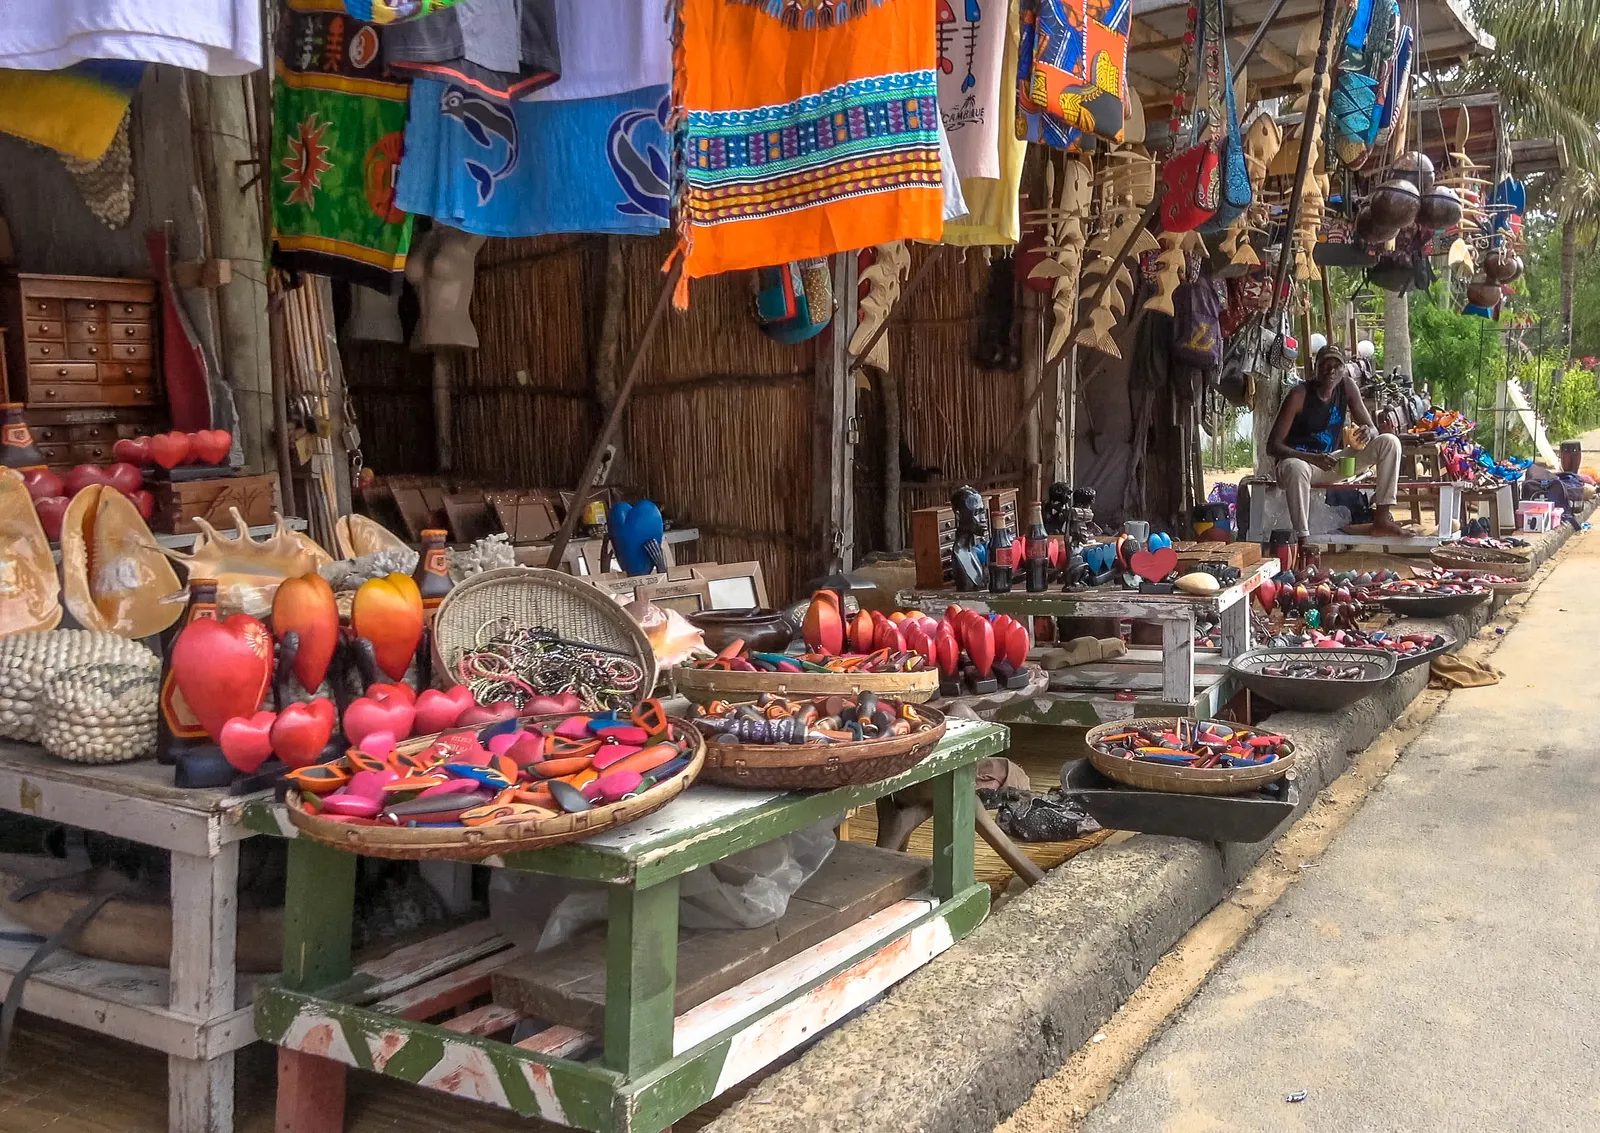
(178,730)
(432,575)
(1037,550)
(16,442)
(1002,561)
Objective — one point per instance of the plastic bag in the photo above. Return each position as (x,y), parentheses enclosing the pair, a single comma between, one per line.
(750,889)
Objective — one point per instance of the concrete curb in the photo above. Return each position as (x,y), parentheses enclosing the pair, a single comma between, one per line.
(962,1043)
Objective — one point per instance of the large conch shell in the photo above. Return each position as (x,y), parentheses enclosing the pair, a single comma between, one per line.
(247,572)
(358,535)
(115,576)
(30,596)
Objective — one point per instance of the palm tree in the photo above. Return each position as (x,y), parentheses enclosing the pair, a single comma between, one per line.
(1577,203)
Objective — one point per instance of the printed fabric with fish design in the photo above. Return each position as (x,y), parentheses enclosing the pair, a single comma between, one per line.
(531,168)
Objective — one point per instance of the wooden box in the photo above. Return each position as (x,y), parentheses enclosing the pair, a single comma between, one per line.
(178,505)
(81,340)
(1241,555)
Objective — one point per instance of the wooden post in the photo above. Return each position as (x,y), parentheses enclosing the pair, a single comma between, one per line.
(1034,372)
(597,451)
(204,908)
(954,798)
(641,977)
(608,351)
(889,398)
(443,426)
(833,428)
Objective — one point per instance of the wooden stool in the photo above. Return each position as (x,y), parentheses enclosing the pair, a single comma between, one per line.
(1498,499)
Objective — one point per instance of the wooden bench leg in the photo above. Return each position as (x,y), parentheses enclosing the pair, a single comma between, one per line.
(204,904)
(955,798)
(310,1093)
(641,977)
(318,911)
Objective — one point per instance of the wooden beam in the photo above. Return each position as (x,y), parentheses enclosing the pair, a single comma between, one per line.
(833,407)
(1167,44)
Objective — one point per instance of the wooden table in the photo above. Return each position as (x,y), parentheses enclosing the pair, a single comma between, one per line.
(196,1011)
(1177,615)
(652,1067)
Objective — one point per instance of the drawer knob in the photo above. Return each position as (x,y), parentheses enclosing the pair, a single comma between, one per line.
(127,308)
(138,391)
(61,372)
(91,305)
(127,371)
(94,328)
(44,350)
(44,306)
(49,392)
(94,350)
(129,331)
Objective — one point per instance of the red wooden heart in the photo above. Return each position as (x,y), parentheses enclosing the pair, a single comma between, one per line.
(1012,643)
(42,484)
(246,741)
(302,731)
(367,714)
(949,650)
(305,606)
(211,446)
(1267,594)
(82,475)
(437,710)
(980,645)
(399,690)
(124,477)
(170,449)
(1153,566)
(222,668)
(52,511)
(134,450)
(144,501)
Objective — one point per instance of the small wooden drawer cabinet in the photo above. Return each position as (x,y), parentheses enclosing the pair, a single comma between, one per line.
(81,340)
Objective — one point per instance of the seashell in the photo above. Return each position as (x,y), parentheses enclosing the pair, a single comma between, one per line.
(248,572)
(115,577)
(30,596)
(358,535)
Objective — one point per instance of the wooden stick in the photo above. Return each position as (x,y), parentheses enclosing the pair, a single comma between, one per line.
(558,547)
(1031,397)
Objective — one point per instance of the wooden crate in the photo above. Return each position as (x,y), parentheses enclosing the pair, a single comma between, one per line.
(1241,555)
(178,505)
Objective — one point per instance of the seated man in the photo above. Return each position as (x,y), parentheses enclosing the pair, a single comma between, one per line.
(1308,440)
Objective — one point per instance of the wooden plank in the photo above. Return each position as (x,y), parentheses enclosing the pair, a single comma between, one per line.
(1106,678)
(1177,660)
(310,1093)
(452,989)
(558,1042)
(710,823)
(204,902)
(410,964)
(567,984)
(953,803)
(489,1019)
(641,977)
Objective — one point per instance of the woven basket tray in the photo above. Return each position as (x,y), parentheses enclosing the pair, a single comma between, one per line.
(702,686)
(534,596)
(819,766)
(1508,563)
(1182,780)
(469,843)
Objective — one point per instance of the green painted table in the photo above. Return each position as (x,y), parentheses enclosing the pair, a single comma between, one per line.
(649,1068)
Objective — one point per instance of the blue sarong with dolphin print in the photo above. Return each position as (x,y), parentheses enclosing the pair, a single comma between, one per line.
(534,168)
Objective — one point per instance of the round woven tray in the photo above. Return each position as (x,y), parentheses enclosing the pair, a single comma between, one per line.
(534,596)
(1512,564)
(1182,780)
(819,766)
(1430,605)
(1472,574)
(469,843)
(1304,694)
(702,686)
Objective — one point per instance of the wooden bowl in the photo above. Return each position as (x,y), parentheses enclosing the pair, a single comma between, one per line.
(813,767)
(702,686)
(762,631)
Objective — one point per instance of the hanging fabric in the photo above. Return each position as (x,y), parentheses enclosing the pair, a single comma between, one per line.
(75,111)
(533,167)
(1053,45)
(993,208)
(1193,174)
(393,11)
(497,49)
(971,40)
(810,127)
(220,37)
(337,129)
(1235,194)
(610,47)
(1075,58)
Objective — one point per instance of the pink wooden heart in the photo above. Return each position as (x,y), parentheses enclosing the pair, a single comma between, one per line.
(1153,566)
(437,710)
(246,741)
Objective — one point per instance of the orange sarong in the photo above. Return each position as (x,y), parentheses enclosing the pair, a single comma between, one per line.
(810,127)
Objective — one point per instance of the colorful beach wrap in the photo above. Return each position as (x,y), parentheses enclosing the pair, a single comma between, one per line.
(1073,71)
(75,111)
(810,127)
(532,168)
(337,128)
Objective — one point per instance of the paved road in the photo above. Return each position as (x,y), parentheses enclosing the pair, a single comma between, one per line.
(1439,969)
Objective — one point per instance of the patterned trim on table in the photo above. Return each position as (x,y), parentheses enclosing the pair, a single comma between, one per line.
(867,136)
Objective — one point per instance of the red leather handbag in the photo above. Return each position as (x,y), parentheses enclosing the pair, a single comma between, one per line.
(1193,175)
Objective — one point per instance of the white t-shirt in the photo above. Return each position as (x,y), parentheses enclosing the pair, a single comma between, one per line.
(610,47)
(218,37)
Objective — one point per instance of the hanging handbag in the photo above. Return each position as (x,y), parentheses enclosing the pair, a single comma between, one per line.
(1193,176)
(1236,192)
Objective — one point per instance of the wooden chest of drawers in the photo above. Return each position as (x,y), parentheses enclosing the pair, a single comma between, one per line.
(78,341)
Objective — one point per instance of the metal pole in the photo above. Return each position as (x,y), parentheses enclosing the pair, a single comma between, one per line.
(597,451)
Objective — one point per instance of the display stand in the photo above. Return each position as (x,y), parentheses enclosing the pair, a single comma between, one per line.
(197,1011)
(1142,682)
(652,1065)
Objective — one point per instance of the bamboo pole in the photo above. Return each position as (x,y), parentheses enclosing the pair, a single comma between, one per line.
(558,548)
